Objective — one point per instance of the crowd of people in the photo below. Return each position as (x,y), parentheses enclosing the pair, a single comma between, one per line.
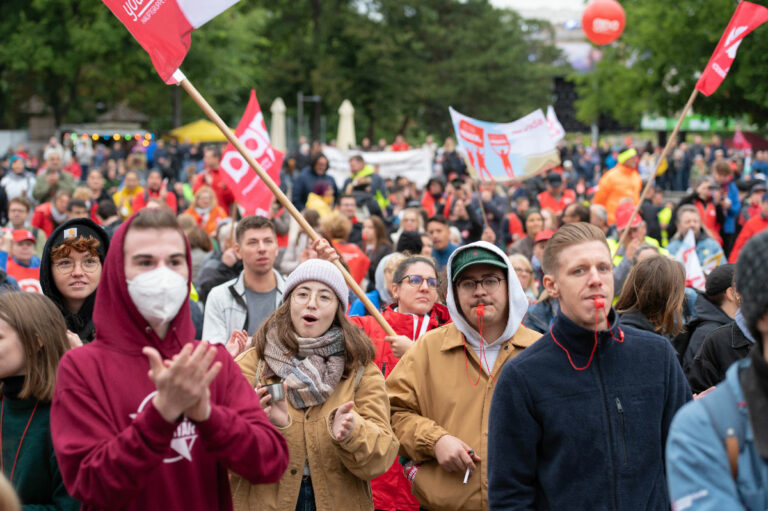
(546,347)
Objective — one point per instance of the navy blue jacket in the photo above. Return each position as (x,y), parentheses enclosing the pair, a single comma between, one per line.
(591,439)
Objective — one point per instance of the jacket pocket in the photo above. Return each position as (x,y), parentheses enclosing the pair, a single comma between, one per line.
(622,430)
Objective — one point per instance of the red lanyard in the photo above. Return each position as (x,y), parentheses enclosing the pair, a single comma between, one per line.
(18,449)
(480,313)
(599,306)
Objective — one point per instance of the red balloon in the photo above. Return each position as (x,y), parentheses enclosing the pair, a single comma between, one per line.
(603,21)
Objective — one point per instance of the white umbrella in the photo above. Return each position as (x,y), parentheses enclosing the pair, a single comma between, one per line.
(277,130)
(345,138)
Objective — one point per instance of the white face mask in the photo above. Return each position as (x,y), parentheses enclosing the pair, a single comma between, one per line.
(158,294)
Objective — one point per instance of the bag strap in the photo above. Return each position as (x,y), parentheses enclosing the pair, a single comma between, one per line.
(722,407)
(241,303)
(358,376)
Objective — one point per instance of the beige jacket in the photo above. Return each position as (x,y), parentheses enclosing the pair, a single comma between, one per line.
(431,395)
(340,471)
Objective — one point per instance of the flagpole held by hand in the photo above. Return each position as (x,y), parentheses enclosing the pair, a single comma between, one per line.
(287,204)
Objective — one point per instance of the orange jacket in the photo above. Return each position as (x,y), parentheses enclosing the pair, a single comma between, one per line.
(618,183)
(216,215)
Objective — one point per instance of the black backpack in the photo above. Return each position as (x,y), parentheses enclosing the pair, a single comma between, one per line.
(681,341)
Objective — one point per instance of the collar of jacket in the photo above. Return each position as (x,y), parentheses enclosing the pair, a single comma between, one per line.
(451,342)
(579,340)
(240,283)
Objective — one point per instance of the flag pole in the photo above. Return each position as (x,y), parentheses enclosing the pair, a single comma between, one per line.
(661,159)
(214,117)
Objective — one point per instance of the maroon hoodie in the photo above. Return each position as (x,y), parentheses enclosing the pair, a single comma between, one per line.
(116,451)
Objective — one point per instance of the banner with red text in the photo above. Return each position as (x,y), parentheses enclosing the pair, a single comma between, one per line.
(507,151)
(164,27)
(250,191)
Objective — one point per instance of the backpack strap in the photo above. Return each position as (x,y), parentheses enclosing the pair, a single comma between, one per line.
(358,376)
(722,407)
(239,300)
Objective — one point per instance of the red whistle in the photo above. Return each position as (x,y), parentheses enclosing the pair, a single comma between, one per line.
(480,309)
(599,303)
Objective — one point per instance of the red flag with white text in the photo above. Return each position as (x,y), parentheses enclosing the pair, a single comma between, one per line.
(250,191)
(163,27)
(748,16)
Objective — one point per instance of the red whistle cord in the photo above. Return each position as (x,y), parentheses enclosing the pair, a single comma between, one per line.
(599,305)
(480,310)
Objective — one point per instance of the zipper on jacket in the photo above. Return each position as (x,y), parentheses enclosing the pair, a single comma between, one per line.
(610,433)
(620,409)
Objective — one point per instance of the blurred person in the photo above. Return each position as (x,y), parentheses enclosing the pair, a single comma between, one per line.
(200,245)
(707,249)
(320,199)
(729,203)
(532,225)
(443,428)
(410,243)
(309,176)
(381,296)
(524,272)
(348,207)
(50,215)
(52,180)
(18,259)
(451,161)
(575,212)
(550,220)
(33,338)
(127,194)
(222,263)
(77,208)
(95,183)
(427,246)
(434,199)
(400,144)
(438,229)
(19,182)
(411,220)
(206,210)
(620,384)
(108,216)
(213,177)
(598,217)
(335,415)
(164,437)
(556,196)
(298,241)
(375,243)
(70,272)
(755,225)
(19,209)
(622,181)
(156,189)
(365,185)
(337,228)
(705,197)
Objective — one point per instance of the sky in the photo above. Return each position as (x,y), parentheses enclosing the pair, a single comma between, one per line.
(552,10)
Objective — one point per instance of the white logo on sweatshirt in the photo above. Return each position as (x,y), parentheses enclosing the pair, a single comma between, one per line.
(183,438)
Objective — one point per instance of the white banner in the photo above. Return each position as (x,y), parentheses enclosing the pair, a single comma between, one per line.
(416,164)
(694,275)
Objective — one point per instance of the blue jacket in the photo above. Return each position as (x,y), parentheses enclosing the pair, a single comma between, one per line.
(589,439)
(358,309)
(706,247)
(441,256)
(732,214)
(698,469)
(305,183)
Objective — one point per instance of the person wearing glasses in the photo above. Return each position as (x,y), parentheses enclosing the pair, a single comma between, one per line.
(334,411)
(413,313)
(440,391)
(70,271)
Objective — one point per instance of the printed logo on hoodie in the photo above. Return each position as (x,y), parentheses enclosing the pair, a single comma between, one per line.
(183,438)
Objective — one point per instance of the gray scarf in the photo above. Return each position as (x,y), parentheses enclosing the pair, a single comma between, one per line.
(313,374)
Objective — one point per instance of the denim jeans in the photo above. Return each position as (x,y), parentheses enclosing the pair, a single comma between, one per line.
(306,500)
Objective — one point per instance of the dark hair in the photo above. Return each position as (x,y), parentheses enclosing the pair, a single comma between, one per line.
(312,217)
(253,222)
(316,158)
(76,203)
(529,213)
(358,348)
(198,238)
(43,335)
(439,219)
(215,149)
(410,242)
(155,171)
(402,269)
(23,201)
(357,157)
(347,196)
(382,239)
(656,288)
(106,208)
(579,210)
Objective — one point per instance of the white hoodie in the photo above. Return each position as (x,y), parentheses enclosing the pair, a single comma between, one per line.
(518,307)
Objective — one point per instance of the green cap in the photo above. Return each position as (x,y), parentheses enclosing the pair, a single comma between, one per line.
(475,255)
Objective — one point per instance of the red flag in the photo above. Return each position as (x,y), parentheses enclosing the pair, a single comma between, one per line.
(748,16)
(163,27)
(250,191)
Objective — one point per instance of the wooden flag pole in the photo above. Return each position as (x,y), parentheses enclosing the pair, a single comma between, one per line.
(214,117)
(662,157)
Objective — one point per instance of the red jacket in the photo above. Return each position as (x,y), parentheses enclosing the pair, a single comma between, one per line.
(224,194)
(355,259)
(754,225)
(546,201)
(115,450)
(141,200)
(43,219)
(391,490)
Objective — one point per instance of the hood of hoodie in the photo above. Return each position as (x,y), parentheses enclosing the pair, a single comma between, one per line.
(708,311)
(518,303)
(385,297)
(119,324)
(80,322)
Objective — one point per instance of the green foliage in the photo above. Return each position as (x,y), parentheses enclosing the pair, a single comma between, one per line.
(656,62)
(400,63)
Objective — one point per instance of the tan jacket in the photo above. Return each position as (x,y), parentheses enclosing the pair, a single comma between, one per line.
(431,395)
(340,471)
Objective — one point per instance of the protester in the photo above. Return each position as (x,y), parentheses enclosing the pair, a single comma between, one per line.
(620,385)
(52,180)
(442,428)
(716,449)
(18,259)
(164,439)
(381,296)
(708,250)
(622,181)
(70,272)
(243,303)
(556,196)
(19,209)
(213,177)
(156,189)
(127,194)
(33,338)
(532,225)
(729,203)
(337,228)
(365,185)
(755,225)
(298,242)
(575,212)
(652,298)
(348,207)
(320,199)
(206,210)
(108,216)
(705,191)
(308,177)
(49,215)
(336,416)
(18,182)
(222,264)
(411,220)
(524,272)
(375,243)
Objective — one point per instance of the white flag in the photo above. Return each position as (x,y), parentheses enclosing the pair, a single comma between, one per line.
(694,275)
(555,128)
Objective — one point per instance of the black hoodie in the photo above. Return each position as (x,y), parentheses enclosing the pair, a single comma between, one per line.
(80,322)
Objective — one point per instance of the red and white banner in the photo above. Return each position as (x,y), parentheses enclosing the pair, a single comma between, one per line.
(251,193)
(163,27)
(694,274)
(748,16)
(555,128)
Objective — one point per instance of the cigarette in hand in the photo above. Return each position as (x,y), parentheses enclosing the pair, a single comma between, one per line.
(466,476)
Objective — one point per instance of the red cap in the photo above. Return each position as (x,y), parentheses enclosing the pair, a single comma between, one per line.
(23,235)
(543,235)
(623,212)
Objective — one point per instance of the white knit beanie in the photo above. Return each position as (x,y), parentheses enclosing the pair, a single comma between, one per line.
(321,271)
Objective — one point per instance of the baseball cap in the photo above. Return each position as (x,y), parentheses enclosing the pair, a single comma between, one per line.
(20,235)
(544,235)
(623,212)
(555,179)
(475,255)
(759,185)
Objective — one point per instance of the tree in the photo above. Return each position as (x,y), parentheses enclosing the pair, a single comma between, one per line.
(656,62)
